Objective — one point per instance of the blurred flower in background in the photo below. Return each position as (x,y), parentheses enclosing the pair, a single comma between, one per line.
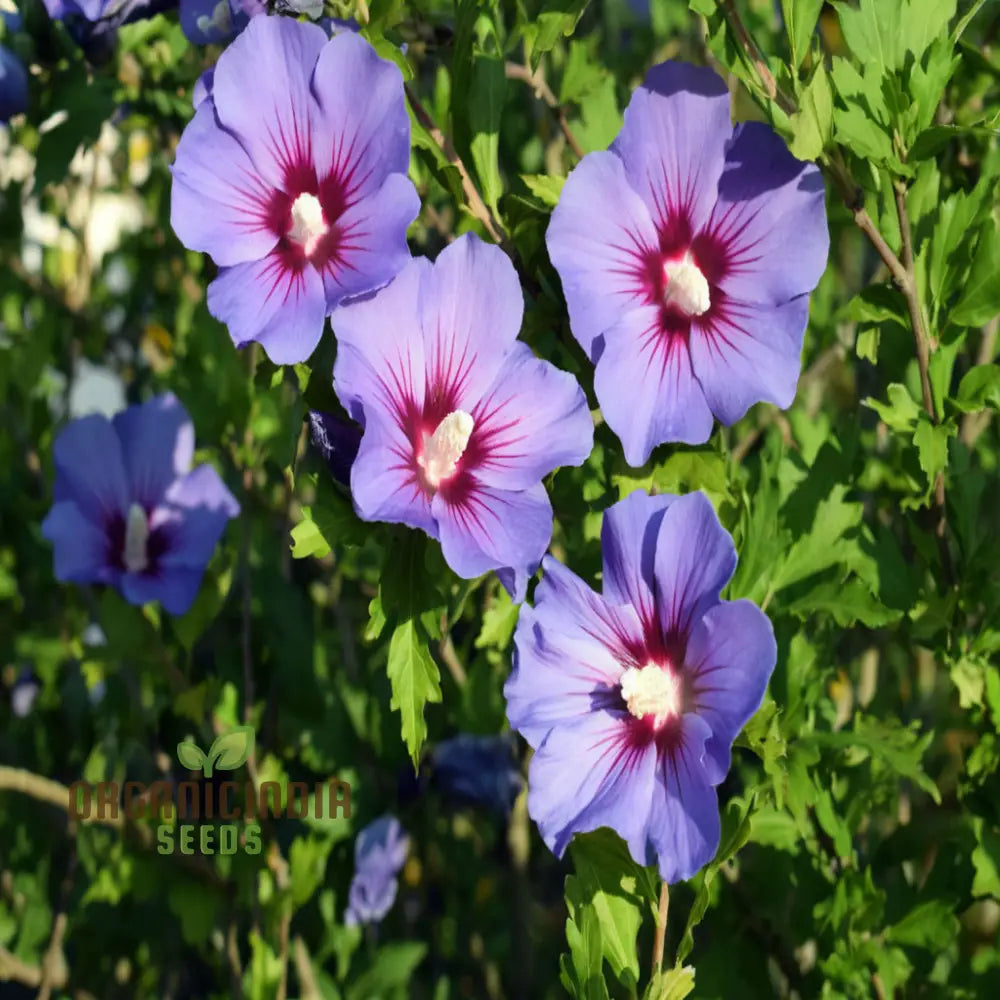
(129,511)
(477,770)
(13,85)
(379,854)
(24,693)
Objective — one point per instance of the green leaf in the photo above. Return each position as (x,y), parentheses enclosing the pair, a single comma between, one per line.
(800,17)
(872,30)
(486,98)
(812,125)
(544,187)
(307,865)
(608,882)
(901,412)
(932,446)
(671,984)
(986,861)
(847,603)
(330,521)
(499,621)
(307,539)
(393,966)
(415,681)
(979,388)
(866,345)
(231,750)
(942,364)
(898,746)
(555,19)
(407,588)
(925,926)
(195,908)
(824,545)
(191,756)
(980,300)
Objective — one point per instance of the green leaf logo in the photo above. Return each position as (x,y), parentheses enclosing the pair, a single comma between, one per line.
(232,749)
(190,755)
(227,752)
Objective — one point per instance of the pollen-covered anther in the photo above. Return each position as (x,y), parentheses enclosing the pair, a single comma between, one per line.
(308,223)
(686,287)
(652,691)
(444,448)
(136,555)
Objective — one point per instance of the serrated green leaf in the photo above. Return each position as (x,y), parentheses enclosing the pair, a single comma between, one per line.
(847,603)
(544,187)
(608,882)
(812,125)
(932,446)
(980,301)
(901,412)
(800,17)
(392,968)
(415,681)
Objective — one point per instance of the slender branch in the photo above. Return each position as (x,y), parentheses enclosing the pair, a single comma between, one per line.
(235,963)
(536,80)
(12,969)
(54,963)
(245,574)
(922,344)
(661,928)
(451,660)
(473,198)
(52,792)
(308,984)
(909,290)
(756,57)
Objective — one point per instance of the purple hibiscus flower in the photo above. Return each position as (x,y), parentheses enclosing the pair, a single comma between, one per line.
(632,698)
(687,252)
(379,853)
(292,175)
(129,511)
(461,421)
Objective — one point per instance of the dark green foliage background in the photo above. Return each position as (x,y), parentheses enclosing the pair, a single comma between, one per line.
(861,842)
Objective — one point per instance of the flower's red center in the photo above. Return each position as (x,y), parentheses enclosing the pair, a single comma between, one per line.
(685,286)
(309,225)
(653,693)
(443,449)
(306,218)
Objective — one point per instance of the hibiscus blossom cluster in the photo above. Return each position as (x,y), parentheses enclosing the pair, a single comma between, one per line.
(686,251)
